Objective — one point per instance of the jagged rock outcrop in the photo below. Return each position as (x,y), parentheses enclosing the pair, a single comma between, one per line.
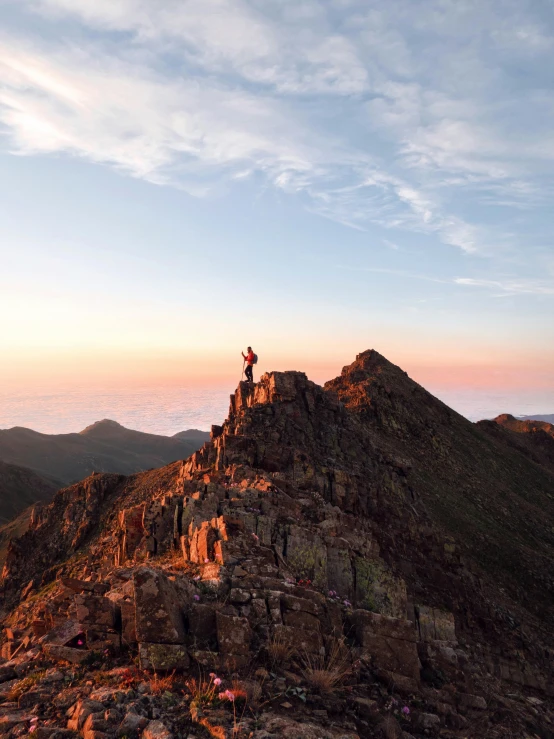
(345,555)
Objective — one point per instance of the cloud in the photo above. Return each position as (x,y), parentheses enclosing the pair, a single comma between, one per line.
(176,131)
(510,286)
(506,286)
(233,36)
(340,104)
(163,130)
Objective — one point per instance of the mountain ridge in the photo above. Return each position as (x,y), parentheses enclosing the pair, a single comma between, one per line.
(365,514)
(103,446)
(533,438)
(548,417)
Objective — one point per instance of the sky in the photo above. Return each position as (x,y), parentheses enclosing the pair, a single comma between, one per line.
(182,178)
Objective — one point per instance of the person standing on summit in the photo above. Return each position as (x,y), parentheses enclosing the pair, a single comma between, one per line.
(250,358)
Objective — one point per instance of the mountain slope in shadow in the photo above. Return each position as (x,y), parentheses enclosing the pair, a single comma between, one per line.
(21,487)
(105,446)
(533,438)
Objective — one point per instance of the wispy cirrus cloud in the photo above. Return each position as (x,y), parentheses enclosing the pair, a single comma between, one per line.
(388,115)
(163,130)
(292,49)
(506,287)
(180,132)
(510,286)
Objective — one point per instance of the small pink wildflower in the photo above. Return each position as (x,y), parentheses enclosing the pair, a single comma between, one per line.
(217,681)
(229,695)
(256,537)
(406,711)
(347,603)
(80,642)
(206,560)
(196,577)
(196,597)
(212,674)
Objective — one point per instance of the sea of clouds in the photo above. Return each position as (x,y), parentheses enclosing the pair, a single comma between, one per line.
(167,410)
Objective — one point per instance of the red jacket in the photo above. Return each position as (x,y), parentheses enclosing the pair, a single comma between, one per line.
(249,358)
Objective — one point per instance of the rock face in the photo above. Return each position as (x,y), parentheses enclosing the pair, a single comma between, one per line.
(158,608)
(357,558)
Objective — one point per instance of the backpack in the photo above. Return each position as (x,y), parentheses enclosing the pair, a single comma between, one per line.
(255,360)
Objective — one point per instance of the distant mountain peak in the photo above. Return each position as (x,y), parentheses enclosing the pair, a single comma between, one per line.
(103,425)
(503,417)
(192,434)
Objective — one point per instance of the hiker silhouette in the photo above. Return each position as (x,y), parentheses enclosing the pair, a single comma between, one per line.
(250,359)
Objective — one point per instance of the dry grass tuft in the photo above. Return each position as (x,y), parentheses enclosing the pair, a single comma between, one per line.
(279,650)
(202,691)
(217,732)
(325,673)
(237,689)
(248,690)
(160,685)
(24,685)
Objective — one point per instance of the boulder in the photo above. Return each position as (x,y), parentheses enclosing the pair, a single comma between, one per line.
(390,642)
(471,702)
(233,634)
(64,633)
(66,654)
(300,640)
(301,620)
(366,707)
(131,725)
(428,722)
(32,697)
(163,657)
(96,610)
(95,722)
(11,719)
(158,615)
(293,603)
(80,712)
(157,730)
(7,672)
(371,624)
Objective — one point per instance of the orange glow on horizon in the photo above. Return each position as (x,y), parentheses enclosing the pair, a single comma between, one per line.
(58,368)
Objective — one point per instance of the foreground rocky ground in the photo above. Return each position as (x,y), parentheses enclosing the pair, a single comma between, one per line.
(295,578)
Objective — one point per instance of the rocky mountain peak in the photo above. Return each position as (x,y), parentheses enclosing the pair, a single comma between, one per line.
(363,522)
(504,417)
